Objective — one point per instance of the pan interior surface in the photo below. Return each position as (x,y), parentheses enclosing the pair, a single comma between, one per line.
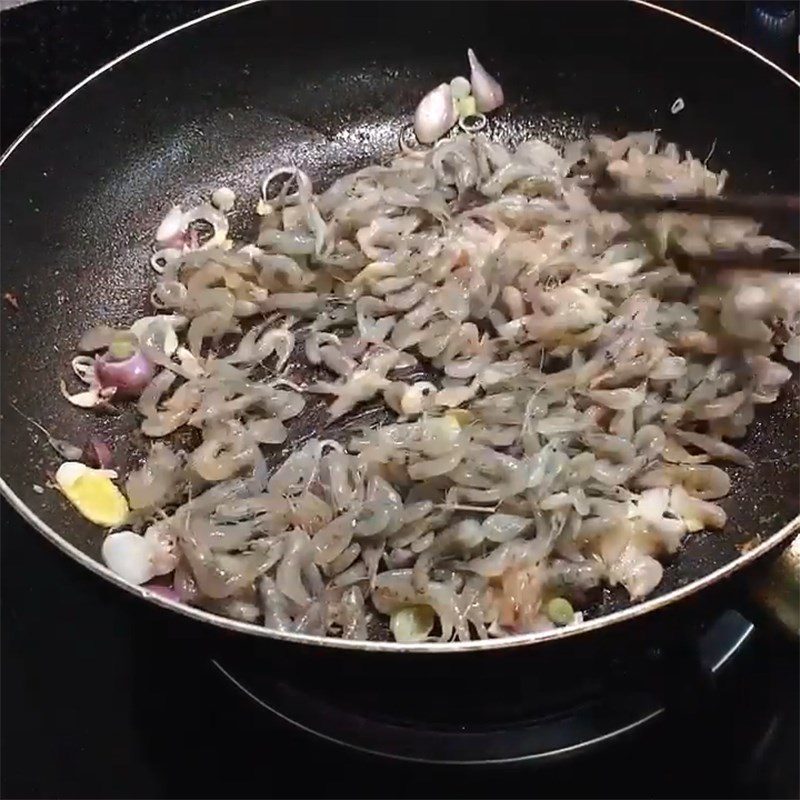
(328,88)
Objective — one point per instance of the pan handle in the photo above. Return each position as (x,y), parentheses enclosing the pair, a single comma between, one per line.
(776,591)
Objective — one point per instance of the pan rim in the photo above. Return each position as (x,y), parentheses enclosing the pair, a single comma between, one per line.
(631,612)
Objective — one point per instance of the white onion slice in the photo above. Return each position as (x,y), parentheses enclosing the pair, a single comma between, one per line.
(161,258)
(130,556)
(83,367)
(206,212)
(87,399)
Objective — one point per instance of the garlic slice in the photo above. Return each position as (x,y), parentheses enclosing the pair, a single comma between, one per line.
(486,90)
(171,225)
(435,114)
(130,556)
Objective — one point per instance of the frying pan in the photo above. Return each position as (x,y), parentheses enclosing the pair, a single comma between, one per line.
(226,98)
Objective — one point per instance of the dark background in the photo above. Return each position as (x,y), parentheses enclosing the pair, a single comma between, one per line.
(100,699)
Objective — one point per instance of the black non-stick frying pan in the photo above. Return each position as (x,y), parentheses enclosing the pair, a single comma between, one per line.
(224,99)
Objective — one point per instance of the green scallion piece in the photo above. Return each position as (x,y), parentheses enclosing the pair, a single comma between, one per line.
(559,610)
(466,107)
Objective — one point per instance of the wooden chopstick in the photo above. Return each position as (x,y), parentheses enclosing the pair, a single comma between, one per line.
(769,261)
(756,206)
(743,205)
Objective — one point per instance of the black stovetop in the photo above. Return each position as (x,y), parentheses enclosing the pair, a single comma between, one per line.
(102,696)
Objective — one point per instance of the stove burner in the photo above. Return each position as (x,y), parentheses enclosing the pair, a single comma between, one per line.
(563,728)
